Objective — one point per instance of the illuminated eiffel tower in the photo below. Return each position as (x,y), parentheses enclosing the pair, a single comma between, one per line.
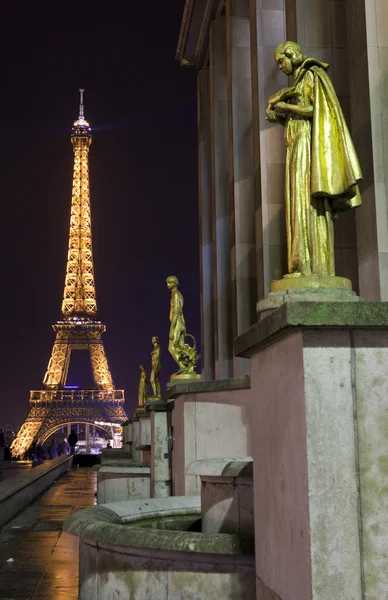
(55,406)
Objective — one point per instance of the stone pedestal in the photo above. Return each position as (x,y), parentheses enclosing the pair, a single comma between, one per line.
(160,450)
(145,430)
(127,437)
(209,419)
(226,495)
(319,381)
(136,454)
(144,442)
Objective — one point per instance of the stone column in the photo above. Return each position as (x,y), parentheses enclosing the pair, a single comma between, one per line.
(221,203)
(68,429)
(319,27)
(241,175)
(87,438)
(367,33)
(268,30)
(206,225)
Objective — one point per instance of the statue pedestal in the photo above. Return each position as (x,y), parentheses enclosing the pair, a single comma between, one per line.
(209,419)
(319,419)
(306,289)
(185,377)
(158,412)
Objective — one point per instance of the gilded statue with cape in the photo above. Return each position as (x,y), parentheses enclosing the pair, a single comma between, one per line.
(322,168)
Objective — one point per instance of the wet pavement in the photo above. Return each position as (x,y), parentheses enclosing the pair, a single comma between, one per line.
(44,563)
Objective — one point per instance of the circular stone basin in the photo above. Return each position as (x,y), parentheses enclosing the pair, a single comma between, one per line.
(152,549)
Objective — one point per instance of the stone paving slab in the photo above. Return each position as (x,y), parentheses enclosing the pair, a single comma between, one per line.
(45,559)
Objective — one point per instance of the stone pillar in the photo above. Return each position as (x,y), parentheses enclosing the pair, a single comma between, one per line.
(68,429)
(221,203)
(319,380)
(206,225)
(136,454)
(127,437)
(367,34)
(268,30)
(160,454)
(320,28)
(87,438)
(145,431)
(241,176)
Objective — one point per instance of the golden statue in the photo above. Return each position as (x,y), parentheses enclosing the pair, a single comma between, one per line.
(185,356)
(155,367)
(322,168)
(142,393)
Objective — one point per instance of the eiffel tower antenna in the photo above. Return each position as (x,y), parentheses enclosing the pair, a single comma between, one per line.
(81,104)
(54,405)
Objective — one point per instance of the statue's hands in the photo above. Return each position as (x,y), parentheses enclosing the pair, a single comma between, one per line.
(271,116)
(274,99)
(281,107)
(281,95)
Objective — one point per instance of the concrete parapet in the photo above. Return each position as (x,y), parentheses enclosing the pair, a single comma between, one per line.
(21,489)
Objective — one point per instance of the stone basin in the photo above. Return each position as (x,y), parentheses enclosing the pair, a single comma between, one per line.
(154,549)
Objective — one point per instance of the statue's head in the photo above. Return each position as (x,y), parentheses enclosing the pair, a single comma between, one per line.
(172,282)
(288,56)
(142,369)
(155,339)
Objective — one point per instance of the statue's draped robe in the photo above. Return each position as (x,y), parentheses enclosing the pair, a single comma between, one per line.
(322,172)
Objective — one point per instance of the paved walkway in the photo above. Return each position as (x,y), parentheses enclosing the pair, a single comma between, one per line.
(45,559)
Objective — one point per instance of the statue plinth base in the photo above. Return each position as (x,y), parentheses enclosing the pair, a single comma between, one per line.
(294,282)
(185,376)
(307,289)
(140,410)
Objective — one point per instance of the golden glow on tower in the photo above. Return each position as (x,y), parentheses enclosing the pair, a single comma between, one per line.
(54,405)
(80,293)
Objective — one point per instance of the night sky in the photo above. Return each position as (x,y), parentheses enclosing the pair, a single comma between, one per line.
(143,173)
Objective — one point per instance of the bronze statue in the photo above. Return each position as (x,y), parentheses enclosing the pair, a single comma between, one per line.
(185,356)
(322,168)
(155,367)
(142,393)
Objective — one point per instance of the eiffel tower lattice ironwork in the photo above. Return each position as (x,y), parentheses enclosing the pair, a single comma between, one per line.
(55,406)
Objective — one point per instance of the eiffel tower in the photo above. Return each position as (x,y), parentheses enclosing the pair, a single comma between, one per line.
(55,406)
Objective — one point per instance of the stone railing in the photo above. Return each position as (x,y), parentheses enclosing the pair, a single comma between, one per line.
(19,491)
